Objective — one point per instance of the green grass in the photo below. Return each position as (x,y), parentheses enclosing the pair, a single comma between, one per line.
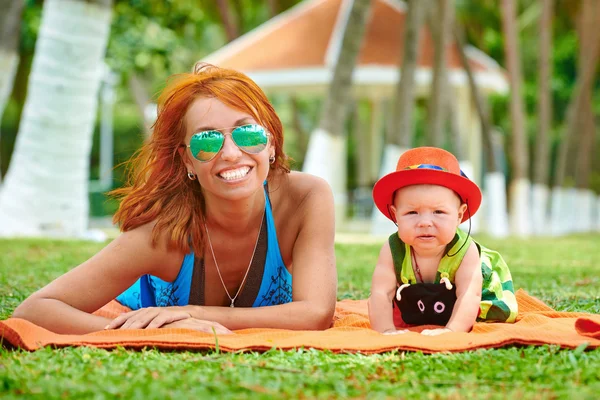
(565,273)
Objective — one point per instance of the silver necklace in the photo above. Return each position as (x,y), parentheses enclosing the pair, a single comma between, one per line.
(247,269)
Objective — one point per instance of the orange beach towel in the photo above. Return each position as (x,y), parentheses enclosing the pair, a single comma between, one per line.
(537,324)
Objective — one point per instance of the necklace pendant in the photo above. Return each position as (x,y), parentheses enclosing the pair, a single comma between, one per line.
(231,305)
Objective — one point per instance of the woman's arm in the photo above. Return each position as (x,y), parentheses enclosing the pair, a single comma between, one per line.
(65,305)
(314,273)
(383,289)
(468,282)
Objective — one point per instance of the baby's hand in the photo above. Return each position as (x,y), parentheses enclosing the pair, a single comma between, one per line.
(394,331)
(435,332)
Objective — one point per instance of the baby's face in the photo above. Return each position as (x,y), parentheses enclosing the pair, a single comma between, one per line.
(427,215)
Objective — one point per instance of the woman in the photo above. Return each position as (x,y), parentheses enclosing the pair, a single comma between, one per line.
(217,232)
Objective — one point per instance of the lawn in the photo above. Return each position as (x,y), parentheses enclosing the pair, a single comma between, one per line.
(565,273)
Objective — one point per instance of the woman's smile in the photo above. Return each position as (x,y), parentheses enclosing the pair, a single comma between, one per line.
(236,174)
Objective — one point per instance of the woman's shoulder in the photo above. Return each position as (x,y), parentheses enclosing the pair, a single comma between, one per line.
(298,186)
(300,200)
(160,258)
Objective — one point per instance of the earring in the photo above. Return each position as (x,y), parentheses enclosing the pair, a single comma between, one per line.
(271,159)
(191,175)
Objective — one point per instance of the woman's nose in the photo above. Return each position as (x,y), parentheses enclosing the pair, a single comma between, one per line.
(230,150)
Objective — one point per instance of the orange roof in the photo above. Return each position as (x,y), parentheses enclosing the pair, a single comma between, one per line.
(308,36)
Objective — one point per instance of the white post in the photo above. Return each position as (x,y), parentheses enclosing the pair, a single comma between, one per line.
(585,210)
(470,131)
(540,196)
(520,190)
(570,211)
(557,200)
(326,158)
(496,214)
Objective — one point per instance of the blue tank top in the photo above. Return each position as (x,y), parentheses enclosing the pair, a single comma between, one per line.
(274,288)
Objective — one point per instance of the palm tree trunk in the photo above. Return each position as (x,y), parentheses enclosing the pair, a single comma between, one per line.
(142,100)
(10,30)
(591,49)
(326,155)
(495,180)
(517,108)
(229,22)
(273,7)
(337,100)
(520,184)
(437,103)
(585,80)
(541,168)
(402,129)
(480,105)
(586,143)
(565,210)
(45,192)
(542,159)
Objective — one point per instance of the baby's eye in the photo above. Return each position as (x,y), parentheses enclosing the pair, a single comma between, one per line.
(411,213)
(439,212)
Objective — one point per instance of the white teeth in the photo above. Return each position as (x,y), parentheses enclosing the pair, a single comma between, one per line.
(235,173)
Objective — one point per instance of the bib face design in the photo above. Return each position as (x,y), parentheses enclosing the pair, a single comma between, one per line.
(426,304)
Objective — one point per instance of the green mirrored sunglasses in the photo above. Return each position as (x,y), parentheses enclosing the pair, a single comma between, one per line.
(251,139)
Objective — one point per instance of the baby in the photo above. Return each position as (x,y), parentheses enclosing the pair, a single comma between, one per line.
(431,272)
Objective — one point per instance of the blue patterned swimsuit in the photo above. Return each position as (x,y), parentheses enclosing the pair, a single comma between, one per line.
(268,283)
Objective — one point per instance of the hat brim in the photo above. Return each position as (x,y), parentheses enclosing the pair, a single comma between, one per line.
(384,189)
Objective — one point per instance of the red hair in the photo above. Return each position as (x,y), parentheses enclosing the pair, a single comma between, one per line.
(158,189)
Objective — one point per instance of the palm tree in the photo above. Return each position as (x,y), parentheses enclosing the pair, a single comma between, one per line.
(401,130)
(495,181)
(326,154)
(563,215)
(589,49)
(45,192)
(541,171)
(273,7)
(230,24)
(520,183)
(443,11)
(10,23)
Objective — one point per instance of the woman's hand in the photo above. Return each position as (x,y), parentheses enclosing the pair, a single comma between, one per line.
(200,326)
(148,318)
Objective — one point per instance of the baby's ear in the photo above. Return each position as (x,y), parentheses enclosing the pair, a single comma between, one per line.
(461,211)
(393,213)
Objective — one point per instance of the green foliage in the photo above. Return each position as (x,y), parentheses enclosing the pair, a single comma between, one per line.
(30,25)
(483,23)
(157,39)
(564,272)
